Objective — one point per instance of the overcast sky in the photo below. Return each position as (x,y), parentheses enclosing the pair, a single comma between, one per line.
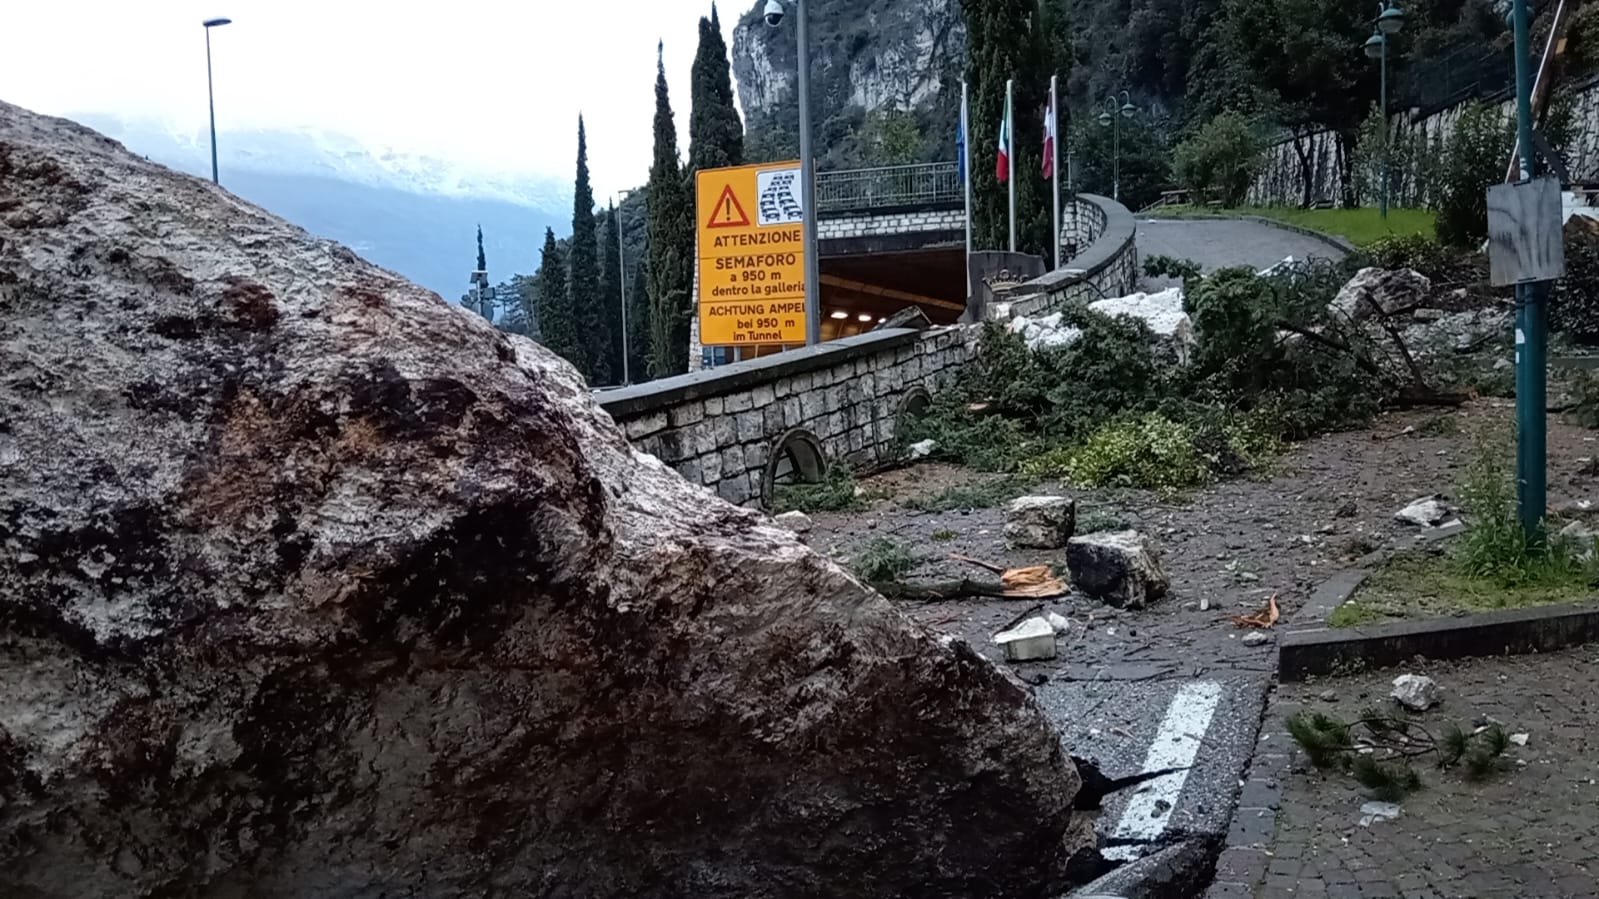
(489,84)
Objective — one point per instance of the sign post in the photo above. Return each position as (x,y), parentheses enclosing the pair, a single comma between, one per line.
(750,239)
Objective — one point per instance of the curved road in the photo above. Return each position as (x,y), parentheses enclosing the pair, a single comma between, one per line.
(1219,243)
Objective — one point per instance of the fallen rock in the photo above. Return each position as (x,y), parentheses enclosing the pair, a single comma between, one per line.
(1381,292)
(1119,567)
(1040,522)
(1059,622)
(795,521)
(1374,812)
(1415,692)
(1427,512)
(1032,639)
(1256,638)
(1163,312)
(1045,332)
(921,449)
(1584,536)
(314,584)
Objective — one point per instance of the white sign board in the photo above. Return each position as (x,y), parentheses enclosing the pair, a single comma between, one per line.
(1525,240)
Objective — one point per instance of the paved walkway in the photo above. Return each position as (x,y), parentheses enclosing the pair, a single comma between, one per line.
(1219,243)
(1529,831)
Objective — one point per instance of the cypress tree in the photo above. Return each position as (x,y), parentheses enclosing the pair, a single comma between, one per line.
(482,260)
(1006,39)
(611,293)
(716,135)
(638,323)
(557,330)
(669,221)
(590,339)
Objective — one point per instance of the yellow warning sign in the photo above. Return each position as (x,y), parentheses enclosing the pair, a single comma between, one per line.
(752,269)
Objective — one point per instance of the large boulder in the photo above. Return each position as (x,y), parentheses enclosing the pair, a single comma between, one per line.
(1381,292)
(1162,311)
(316,585)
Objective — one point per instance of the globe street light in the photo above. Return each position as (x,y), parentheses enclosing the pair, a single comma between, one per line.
(1109,118)
(1389,21)
(210,92)
(773,14)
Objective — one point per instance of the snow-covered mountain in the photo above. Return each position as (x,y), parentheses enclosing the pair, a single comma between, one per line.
(412,213)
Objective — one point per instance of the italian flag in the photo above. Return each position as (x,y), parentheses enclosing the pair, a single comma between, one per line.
(1002,164)
(1049,137)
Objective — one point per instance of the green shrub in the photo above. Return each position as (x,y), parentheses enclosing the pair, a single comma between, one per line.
(835,492)
(1150,451)
(1474,157)
(883,560)
(1415,251)
(1220,159)
(986,495)
(1158,266)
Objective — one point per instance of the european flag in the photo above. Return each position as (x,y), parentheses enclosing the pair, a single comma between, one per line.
(960,146)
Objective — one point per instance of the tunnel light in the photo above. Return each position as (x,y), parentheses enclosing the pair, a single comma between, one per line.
(881,319)
(840,315)
(864,317)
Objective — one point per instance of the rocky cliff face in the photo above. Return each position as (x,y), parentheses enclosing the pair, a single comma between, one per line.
(312,584)
(865,56)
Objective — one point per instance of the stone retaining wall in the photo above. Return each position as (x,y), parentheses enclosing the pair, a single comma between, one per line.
(1281,181)
(880,223)
(1107,267)
(729,428)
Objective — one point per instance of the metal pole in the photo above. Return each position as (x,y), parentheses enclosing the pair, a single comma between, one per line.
(1387,143)
(1011,160)
(813,278)
(621,264)
(1116,152)
(1531,312)
(966,181)
(211,100)
(1054,165)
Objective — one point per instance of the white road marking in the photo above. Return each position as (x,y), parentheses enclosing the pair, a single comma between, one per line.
(1176,745)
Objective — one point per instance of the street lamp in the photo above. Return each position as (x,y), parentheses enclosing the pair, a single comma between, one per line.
(210,93)
(773,14)
(1389,21)
(1109,118)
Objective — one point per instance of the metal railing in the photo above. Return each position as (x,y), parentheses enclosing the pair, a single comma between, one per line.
(852,190)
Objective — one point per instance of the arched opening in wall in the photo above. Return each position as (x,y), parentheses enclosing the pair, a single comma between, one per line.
(796,458)
(912,406)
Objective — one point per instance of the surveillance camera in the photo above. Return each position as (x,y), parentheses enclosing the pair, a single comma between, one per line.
(774,13)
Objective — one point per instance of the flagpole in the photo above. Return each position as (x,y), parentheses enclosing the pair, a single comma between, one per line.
(1054,166)
(1010,151)
(966,182)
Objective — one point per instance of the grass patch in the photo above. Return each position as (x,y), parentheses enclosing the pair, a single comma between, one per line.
(835,492)
(944,535)
(984,495)
(1492,566)
(1361,226)
(883,560)
(1432,585)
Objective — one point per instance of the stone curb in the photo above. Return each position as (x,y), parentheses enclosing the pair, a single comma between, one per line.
(1332,240)
(1324,650)
(1247,860)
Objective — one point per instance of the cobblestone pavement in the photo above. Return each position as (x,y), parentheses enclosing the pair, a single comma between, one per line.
(1531,831)
(1218,243)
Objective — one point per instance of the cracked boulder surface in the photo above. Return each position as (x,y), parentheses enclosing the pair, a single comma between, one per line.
(312,584)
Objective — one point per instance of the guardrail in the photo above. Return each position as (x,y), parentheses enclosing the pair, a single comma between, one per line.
(853,190)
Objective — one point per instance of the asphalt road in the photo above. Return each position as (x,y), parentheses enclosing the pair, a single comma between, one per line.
(1220,243)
